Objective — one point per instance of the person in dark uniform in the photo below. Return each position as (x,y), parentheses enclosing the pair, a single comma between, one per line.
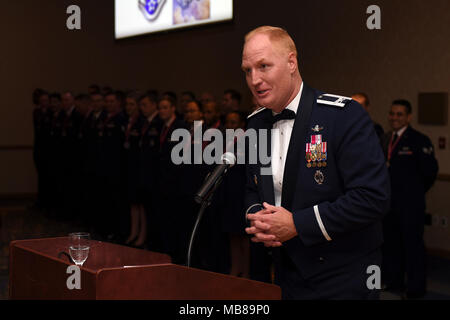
(83,103)
(70,154)
(93,89)
(231,208)
(363,99)
(231,101)
(169,187)
(41,123)
(138,222)
(185,98)
(320,200)
(56,158)
(210,241)
(191,179)
(84,108)
(211,115)
(206,97)
(413,169)
(112,167)
(92,161)
(149,167)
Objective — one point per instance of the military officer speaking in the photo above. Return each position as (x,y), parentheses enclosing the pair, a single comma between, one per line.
(321,207)
(413,169)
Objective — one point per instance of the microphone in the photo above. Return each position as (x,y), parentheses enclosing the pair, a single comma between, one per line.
(228,160)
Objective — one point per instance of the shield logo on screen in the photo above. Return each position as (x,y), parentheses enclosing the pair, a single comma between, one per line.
(151,8)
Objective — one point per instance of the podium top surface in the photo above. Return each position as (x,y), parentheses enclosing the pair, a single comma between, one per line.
(101,254)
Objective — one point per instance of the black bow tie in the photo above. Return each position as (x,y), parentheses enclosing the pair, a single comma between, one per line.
(286,114)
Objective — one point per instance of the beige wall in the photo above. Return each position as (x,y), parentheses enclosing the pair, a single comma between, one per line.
(411,54)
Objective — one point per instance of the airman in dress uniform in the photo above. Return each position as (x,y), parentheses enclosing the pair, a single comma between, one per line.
(413,169)
(320,201)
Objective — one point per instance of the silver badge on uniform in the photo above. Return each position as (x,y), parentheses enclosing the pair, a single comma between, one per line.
(319,177)
(317,128)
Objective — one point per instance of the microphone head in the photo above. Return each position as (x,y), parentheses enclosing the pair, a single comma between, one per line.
(228,158)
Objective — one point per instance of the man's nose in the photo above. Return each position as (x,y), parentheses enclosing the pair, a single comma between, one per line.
(255,78)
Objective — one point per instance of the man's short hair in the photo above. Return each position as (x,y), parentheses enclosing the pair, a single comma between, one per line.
(189,93)
(405,103)
(95,88)
(276,35)
(153,97)
(168,98)
(135,95)
(55,95)
(365,97)
(171,94)
(96,94)
(83,97)
(119,95)
(235,95)
(37,93)
(68,92)
(153,92)
(198,103)
(107,90)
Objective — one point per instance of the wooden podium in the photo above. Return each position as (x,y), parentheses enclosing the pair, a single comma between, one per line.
(39,271)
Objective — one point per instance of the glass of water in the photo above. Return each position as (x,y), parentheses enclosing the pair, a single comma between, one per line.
(79,245)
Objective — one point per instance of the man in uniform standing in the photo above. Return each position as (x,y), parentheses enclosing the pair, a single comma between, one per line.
(41,122)
(170,208)
(413,169)
(70,156)
(319,203)
(363,99)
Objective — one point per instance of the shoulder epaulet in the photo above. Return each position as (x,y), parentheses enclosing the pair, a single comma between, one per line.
(256,111)
(333,100)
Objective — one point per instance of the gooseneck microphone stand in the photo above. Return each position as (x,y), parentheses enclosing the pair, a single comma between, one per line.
(205,202)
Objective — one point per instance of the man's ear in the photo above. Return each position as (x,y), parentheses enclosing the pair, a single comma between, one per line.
(409,118)
(292,61)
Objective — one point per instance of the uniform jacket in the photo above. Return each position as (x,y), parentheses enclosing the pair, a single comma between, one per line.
(413,169)
(337,209)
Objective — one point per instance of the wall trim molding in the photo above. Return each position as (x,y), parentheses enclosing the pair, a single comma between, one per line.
(438,252)
(16,147)
(443,177)
(18,196)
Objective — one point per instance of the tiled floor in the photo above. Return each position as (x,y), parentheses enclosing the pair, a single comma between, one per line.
(18,221)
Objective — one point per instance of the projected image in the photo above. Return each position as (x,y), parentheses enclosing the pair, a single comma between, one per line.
(186,11)
(151,8)
(136,17)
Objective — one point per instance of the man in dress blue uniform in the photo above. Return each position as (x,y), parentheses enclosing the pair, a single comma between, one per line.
(413,169)
(70,155)
(363,99)
(111,170)
(149,166)
(320,201)
(169,186)
(42,121)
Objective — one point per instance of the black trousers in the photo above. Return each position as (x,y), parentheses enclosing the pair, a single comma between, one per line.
(404,252)
(348,282)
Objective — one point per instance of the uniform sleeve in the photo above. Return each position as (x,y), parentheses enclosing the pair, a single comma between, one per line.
(364,177)
(428,164)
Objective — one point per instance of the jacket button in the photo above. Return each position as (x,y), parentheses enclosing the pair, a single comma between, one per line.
(321,259)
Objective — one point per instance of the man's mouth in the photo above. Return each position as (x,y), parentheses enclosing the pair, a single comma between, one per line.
(262,92)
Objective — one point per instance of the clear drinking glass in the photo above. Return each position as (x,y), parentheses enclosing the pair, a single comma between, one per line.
(79,245)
